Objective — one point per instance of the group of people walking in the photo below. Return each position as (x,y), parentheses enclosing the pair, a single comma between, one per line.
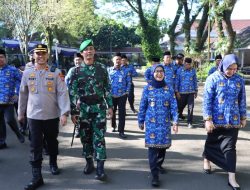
(90,92)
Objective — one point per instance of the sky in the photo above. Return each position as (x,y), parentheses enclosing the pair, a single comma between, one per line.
(241,10)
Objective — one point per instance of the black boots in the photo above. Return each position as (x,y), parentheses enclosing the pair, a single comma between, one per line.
(155,181)
(36,181)
(89,168)
(53,165)
(100,175)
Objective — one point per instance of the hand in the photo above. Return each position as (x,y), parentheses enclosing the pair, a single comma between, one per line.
(141,126)
(175,128)
(110,113)
(178,96)
(63,120)
(243,123)
(209,126)
(21,119)
(74,119)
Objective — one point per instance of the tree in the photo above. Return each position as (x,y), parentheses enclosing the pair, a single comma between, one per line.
(222,11)
(21,19)
(147,13)
(189,19)
(171,31)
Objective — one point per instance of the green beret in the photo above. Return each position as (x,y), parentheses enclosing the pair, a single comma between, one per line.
(85,44)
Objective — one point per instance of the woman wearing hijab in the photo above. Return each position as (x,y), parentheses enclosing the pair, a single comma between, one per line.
(224,112)
(158,104)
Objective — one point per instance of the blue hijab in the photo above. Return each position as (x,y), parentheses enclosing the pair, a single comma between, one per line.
(227,61)
(155,83)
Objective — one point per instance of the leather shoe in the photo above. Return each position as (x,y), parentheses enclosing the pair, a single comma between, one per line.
(54,170)
(34,184)
(3,146)
(122,135)
(155,182)
(207,171)
(234,188)
(113,130)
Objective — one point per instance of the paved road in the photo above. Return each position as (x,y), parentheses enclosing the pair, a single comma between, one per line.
(127,166)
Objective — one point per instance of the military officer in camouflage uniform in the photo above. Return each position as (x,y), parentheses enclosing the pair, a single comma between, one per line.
(44,94)
(90,88)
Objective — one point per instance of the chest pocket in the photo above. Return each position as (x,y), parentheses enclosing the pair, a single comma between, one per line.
(50,85)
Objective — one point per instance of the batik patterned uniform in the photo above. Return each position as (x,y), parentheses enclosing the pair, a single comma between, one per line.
(147,75)
(212,70)
(169,75)
(228,107)
(186,81)
(10,79)
(156,108)
(90,87)
(120,81)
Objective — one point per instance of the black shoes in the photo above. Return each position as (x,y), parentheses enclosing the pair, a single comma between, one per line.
(89,168)
(100,175)
(182,117)
(155,181)
(122,136)
(207,171)
(234,188)
(34,184)
(134,111)
(113,130)
(54,170)
(36,181)
(3,146)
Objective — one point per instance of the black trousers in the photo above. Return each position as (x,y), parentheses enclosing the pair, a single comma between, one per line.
(40,130)
(119,102)
(156,158)
(187,99)
(131,96)
(8,116)
(220,148)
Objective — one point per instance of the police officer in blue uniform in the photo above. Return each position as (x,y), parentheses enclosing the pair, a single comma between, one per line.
(10,79)
(43,93)
(120,86)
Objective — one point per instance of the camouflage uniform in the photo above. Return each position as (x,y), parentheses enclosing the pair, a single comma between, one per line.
(90,87)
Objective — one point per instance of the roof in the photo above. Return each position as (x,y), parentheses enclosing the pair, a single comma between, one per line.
(238,25)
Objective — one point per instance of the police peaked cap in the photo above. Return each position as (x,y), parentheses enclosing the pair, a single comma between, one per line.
(41,48)
(85,44)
